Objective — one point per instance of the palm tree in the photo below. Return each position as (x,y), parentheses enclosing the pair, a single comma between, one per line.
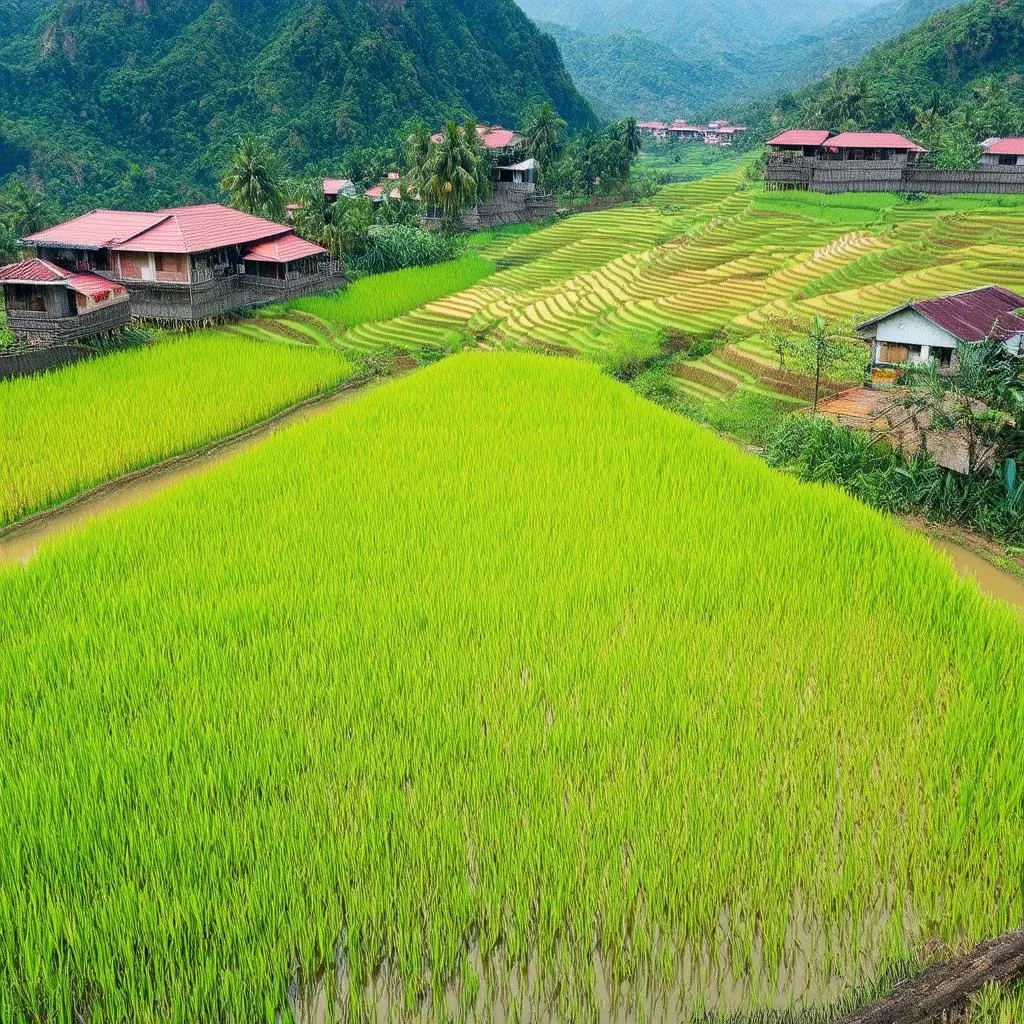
(543,130)
(450,174)
(482,171)
(252,183)
(25,210)
(631,138)
(417,150)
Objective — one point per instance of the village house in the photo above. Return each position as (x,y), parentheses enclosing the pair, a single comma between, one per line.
(926,329)
(1002,153)
(49,305)
(715,133)
(189,263)
(386,191)
(515,197)
(339,188)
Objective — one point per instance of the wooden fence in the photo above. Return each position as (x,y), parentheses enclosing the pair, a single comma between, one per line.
(889,176)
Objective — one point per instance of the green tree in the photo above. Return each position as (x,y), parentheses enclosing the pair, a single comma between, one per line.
(252,182)
(629,134)
(451,174)
(982,396)
(822,346)
(543,129)
(10,247)
(417,152)
(26,210)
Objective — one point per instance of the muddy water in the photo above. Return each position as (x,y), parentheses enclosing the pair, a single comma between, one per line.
(21,542)
(991,580)
(816,971)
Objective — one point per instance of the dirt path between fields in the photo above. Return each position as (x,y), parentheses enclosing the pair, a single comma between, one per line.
(20,541)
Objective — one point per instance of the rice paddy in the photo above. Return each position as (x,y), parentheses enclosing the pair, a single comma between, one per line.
(497,672)
(63,432)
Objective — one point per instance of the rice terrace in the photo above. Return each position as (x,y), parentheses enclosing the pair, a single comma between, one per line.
(506,689)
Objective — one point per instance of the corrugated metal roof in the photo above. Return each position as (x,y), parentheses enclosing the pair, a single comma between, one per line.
(873,140)
(96,230)
(188,229)
(283,250)
(1006,147)
(493,137)
(33,271)
(977,314)
(973,315)
(799,137)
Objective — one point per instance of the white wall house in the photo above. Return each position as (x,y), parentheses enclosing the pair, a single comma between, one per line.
(931,329)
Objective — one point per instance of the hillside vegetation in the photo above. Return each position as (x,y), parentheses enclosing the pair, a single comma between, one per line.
(498,671)
(140,102)
(654,67)
(951,82)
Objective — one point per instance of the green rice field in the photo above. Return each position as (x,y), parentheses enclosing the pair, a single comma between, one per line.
(498,691)
(63,432)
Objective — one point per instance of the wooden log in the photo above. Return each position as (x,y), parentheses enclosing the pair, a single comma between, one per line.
(947,986)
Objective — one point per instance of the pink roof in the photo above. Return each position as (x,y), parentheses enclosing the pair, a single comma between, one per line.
(37,271)
(658,126)
(283,250)
(1006,147)
(332,186)
(972,315)
(33,271)
(493,137)
(96,287)
(799,137)
(96,230)
(873,140)
(187,229)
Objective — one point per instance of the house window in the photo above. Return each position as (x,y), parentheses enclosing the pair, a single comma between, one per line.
(1008,161)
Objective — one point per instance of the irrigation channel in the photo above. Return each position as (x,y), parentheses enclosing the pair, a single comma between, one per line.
(20,541)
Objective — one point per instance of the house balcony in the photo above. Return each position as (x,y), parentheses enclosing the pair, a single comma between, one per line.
(34,327)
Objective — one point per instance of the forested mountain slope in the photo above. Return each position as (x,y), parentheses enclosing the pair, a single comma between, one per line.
(949,82)
(141,100)
(663,73)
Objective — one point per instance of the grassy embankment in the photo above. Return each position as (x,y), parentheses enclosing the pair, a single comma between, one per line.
(606,681)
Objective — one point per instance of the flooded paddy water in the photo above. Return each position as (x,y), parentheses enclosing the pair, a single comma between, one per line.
(21,541)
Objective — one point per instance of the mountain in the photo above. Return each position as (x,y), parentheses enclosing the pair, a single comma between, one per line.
(950,82)
(628,72)
(694,27)
(142,100)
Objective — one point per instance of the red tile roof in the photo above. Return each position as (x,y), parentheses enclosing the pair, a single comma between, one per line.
(1006,147)
(873,140)
(970,316)
(97,230)
(655,126)
(33,271)
(283,250)
(799,137)
(182,229)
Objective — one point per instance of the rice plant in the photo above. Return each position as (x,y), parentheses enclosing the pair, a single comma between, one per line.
(500,685)
(383,296)
(65,431)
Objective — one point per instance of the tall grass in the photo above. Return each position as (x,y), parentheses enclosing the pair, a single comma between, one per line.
(500,658)
(65,431)
(383,296)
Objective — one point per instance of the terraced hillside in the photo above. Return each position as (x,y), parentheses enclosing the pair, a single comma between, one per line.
(703,257)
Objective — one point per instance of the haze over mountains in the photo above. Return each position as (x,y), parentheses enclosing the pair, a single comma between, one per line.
(660,59)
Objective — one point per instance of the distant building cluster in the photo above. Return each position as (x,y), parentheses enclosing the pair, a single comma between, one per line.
(714,133)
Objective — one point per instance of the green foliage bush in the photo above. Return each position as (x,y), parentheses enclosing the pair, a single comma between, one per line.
(629,353)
